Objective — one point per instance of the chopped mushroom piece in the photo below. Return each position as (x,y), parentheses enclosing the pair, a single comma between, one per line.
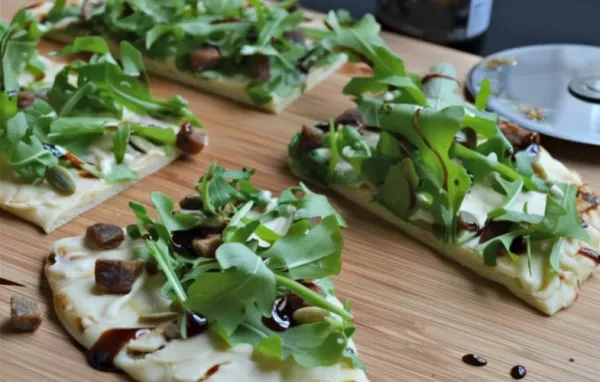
(260,67)
(116,276)
(310,138)
(25,315)
(351,117)
(190,140)
(191,202)
(518,136)
(295,36)
(105,236)
(25,99)
(207,247)
(204,58)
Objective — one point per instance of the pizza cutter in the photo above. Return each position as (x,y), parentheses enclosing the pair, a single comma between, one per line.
(551,89)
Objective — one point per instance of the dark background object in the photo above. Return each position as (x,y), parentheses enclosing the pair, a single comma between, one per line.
(514,22)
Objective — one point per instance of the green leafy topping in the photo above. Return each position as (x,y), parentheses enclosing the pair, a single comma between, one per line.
(431,148)
(266,253)
(175,30)
(85,103)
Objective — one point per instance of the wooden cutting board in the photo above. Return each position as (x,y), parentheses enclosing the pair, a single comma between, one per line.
(416,313)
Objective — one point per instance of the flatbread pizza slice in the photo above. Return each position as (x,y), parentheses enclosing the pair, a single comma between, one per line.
(479,190)
(233,286)
(73,135)
(253,53)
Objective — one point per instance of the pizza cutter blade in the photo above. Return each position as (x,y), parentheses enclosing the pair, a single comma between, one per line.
(551,89)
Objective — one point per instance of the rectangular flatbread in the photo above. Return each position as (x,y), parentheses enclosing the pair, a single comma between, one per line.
(272,94)
(94,173)
(538,234)
(138,329)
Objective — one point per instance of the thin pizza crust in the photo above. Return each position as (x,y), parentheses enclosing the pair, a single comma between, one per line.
(545,290)
(86,314)
(41,205)
(234,88)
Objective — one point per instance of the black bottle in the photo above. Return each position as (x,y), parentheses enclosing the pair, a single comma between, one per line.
(461,24)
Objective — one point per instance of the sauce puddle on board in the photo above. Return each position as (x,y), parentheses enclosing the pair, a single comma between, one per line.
(518,372)
(474,360)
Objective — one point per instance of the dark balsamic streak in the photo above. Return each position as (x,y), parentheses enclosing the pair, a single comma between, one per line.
(590,254)
(102,354)
(4,281)
(439,157)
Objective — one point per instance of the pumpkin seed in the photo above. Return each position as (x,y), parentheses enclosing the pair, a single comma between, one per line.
(61,180)
(310,315)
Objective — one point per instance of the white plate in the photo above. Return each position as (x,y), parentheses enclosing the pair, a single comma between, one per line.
(540,78)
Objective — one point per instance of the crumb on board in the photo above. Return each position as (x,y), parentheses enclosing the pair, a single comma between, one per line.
(532,112)
(495,63)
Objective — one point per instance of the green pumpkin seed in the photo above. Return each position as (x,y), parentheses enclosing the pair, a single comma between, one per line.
(310,315)
(61,180)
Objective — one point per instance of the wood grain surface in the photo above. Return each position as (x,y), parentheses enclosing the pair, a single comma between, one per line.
(416,313)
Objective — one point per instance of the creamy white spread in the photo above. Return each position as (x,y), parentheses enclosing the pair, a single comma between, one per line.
(40,204)
(87,313)
(539,286)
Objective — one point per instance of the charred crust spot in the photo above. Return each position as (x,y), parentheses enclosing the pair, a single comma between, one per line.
(52,258)
(62,301)
(79,324)
(586,200)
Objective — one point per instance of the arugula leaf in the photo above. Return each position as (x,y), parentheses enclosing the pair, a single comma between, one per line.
(313,345)
(160,135)
(132,61)
(311,255)
(114,88)
(172,221)
(87,44)
(120,142)
(21,149)
(483,95)
(311,205)
(72,127)
(120,173)
(245,280)
(18,50)
(562,219)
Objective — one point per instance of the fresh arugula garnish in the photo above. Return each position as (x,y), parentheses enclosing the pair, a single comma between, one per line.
(78,113)
(432,147)
(175,30)
(238,289)
(18,52)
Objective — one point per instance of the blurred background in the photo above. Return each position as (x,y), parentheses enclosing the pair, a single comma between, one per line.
(513,22)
